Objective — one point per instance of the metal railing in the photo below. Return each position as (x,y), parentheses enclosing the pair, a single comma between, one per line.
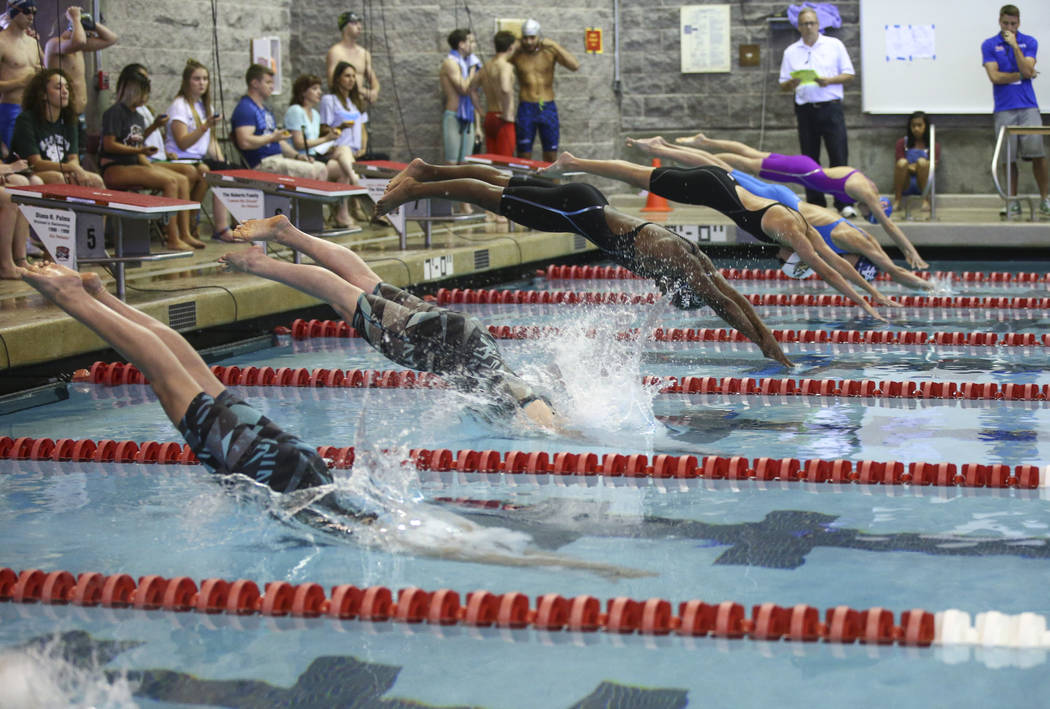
(1004,131)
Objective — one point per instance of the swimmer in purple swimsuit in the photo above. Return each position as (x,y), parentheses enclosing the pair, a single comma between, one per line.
(845,183)
(842,236)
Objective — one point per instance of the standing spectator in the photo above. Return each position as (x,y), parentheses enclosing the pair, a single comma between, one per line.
(458,83)
(497,81)
(20,60)
(255,132)
(534,62)
(1009,60)
(304,121)
(124,162)
(46,132)
(911,170)
(66,52)
(818,103)
(190,136)
(349,51)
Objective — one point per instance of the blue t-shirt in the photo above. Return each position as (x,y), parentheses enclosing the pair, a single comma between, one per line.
(1019,94)
(295,118)
(248,113)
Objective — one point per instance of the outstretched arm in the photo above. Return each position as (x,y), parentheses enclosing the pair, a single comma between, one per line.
(911,254)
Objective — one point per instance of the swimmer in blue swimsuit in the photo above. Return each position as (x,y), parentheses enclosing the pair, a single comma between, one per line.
(681,271)
(402,327)
(840,235)
(226,434)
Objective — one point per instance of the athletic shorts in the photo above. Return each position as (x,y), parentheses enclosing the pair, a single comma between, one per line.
(500,135)
(229,436)
(1030,146)
(457,138)
(542,117)
(8,113)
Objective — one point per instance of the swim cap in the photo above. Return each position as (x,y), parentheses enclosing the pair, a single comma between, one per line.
(887,209)
(26,7)
(795,268)
(530,28)
(346,18)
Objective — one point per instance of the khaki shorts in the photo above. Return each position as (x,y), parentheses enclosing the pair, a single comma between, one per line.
(1030,146)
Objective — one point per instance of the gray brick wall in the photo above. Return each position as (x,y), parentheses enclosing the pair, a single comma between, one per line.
(407,40)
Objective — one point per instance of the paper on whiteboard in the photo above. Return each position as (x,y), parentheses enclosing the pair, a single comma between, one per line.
(907,42)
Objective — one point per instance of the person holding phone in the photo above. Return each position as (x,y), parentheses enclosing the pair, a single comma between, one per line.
(1009,60)
(124,157)
(255,132)
(343,108)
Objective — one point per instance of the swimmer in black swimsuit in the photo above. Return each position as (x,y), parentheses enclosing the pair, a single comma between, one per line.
(830,230)
(226,434)
(402,327)
(766,219)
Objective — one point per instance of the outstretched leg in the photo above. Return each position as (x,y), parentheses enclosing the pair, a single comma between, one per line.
(629,172)
(422,171)
(312,280)
(483,194)
(722,146)
(174,386)
(338,259)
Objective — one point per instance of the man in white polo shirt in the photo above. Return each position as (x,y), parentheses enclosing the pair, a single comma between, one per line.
(818,98)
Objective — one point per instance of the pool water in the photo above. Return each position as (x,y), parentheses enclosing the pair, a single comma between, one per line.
(898,547)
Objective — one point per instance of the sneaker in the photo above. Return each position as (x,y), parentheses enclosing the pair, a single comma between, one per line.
(1012,209)
(1044,208)
(848,212)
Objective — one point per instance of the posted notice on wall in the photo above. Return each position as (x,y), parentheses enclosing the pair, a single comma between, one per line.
(705,39)
(56,229)
(905,43)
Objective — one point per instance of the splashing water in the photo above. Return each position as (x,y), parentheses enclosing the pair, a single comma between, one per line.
(942,285)
(41,677)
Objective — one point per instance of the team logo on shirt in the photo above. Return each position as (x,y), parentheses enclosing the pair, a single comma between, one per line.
(54,147)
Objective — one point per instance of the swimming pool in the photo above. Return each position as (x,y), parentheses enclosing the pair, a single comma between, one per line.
(752,542)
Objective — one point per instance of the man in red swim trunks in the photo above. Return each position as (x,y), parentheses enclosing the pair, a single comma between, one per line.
(497,81)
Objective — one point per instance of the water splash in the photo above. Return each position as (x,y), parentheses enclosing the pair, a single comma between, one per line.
(942,284)
(42,677)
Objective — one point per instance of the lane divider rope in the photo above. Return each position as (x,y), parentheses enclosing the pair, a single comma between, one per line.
(711,467)
(305,329)
(555,272)
(457,296)
(117,373)
(515,610)
(549,612)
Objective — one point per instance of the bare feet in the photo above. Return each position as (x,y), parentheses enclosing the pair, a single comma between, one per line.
(694,141)
(178,245)
(54,282)
(566,162)
(246,261)
(269,229)
(646,145)
(92,284)
(416,170)
(192,241)
(396,195)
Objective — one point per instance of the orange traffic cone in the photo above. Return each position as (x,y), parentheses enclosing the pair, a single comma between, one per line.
(654,202)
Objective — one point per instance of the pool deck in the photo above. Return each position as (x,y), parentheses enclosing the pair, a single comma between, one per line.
(193,293)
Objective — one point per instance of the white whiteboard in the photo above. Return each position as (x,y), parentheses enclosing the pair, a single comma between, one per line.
(954,80)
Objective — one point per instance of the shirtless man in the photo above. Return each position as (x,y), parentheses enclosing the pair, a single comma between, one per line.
(497,81)
(20,59)
(66,52)
(534,64)
(347,50)
(457,75)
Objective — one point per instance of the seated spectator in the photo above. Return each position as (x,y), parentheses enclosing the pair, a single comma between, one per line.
(47,131)
(342,108)
(255,132)
(912,169)
(190,135)
(304,122)
(123,157)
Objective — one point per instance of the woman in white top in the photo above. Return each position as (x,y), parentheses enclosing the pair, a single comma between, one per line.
(341,109)
(304,122)
(190,135)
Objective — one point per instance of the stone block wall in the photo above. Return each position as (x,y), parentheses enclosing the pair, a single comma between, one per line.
(407,40)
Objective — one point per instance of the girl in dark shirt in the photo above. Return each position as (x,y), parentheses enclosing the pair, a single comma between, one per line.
(123,160)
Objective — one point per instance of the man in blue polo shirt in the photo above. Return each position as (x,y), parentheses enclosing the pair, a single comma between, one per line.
(1009,59)
(255,132)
